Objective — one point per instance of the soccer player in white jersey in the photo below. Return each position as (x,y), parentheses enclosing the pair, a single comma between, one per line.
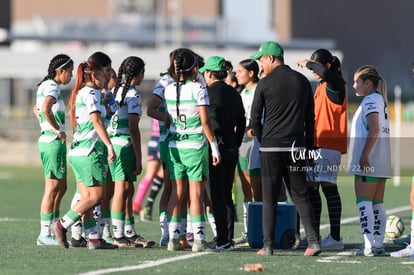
(157,110)
(87,153)
(50,111)
(370,158)
(125,135)
(187,103)
(102,212)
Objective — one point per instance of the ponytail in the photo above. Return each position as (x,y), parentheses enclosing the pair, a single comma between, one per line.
(79,83)
(83,74)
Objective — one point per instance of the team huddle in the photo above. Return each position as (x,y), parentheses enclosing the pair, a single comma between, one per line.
(206,130)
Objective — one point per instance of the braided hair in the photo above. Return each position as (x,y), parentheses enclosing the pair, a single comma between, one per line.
(60,61)
(185,60)
(130,68)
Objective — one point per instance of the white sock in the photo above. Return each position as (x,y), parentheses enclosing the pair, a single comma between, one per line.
(76,229)
(189,228)
(174,229)
(130,230)
(212,222)
(163,225)
(118,226)
(245,209)
(92,232)
(380,222)
(366,222)
(199,230)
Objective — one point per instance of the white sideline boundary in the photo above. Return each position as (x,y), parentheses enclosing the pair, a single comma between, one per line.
(145,265)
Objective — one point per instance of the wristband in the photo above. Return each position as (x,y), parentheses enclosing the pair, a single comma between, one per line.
(110,147)
(214,149)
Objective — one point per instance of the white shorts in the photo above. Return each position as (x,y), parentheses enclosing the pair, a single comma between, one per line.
(327,166)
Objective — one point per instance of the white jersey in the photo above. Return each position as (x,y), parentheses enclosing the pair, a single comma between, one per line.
(380,155)
(159,91)
(50,88)
(118,129)
(186,130)
(247,98)
(88,100)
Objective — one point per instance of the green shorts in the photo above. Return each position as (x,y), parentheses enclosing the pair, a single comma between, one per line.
(165,152)
(53,158)
(243,165)
(124,166)
(88,168)
(191,164)
(368,179)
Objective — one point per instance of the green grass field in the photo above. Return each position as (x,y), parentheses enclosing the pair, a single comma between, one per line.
(21,189)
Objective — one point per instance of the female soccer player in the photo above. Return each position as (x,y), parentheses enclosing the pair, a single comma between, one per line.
(50,111)
(87,153)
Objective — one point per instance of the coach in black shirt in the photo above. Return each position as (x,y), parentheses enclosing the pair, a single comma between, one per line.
(284,100)
(228,121)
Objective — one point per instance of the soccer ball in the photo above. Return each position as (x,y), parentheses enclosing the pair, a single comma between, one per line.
(394,228)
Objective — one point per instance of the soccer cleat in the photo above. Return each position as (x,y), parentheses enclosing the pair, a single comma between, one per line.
(313,250)
(241,240)
(60,234)
(100,244)
(164,241)
(362,251)
(174,245)
(184,243)
(407,252)
(47,240)
(225,247)
(123,242)
(265,251)
(201,246)
(78,243)
(140,241)
(378,251)
(108,239)
(296,244)
(331,244)
(145,214)
(404,241)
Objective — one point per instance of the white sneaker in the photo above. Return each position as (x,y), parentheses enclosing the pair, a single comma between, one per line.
(330,244)
(407,252)
(47,240)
